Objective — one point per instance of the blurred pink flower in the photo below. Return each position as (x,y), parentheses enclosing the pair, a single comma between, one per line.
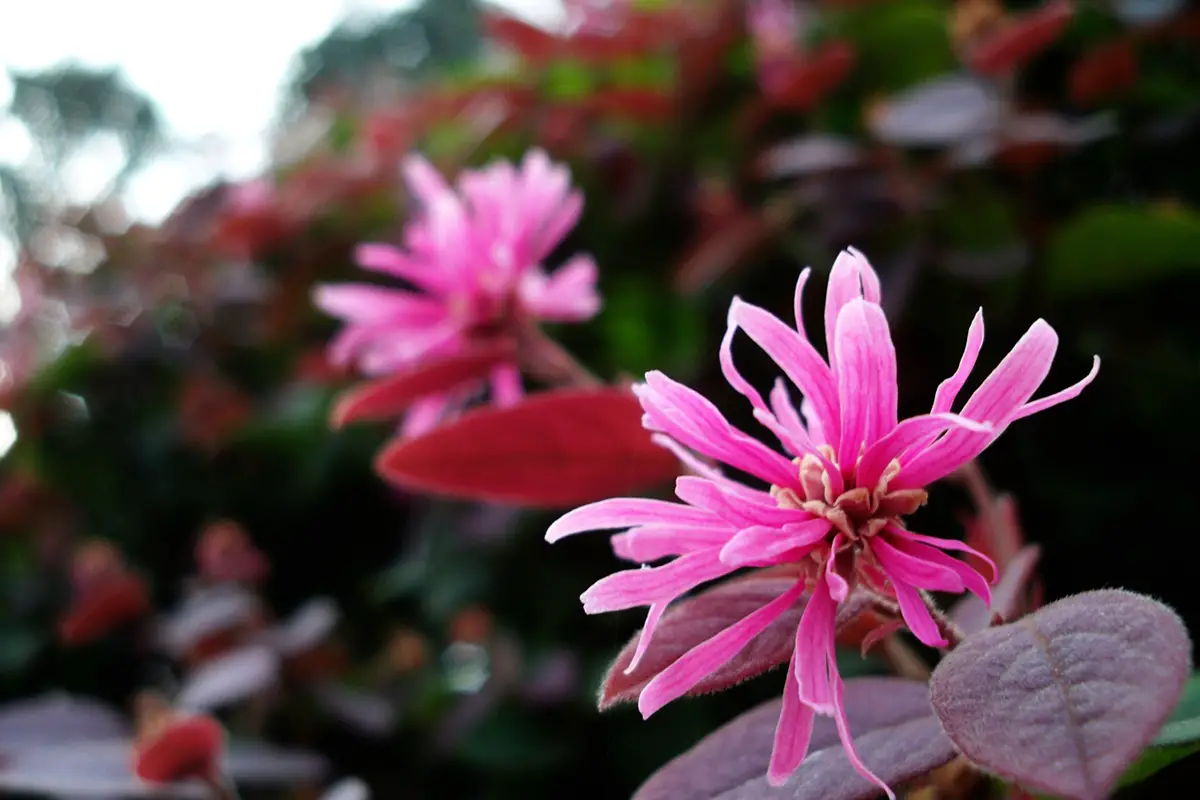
(834,506)
(775,28)
(596,16)
(474,256)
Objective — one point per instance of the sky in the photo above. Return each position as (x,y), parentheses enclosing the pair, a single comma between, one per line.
(162,47)
(226,107)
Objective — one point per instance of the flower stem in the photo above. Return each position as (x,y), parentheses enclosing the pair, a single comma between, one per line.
(223,788)
(951,632)
(547,360)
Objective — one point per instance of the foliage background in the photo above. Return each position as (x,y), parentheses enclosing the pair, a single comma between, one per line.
(178,380)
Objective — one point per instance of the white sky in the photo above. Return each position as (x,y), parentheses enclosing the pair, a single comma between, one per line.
(166,48)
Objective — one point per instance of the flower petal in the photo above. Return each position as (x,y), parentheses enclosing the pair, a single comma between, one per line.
(647,543)
(706,657)
(971,580)
(908,434)
(506,386)
(947,391)
(904,567)
(363,302)
(916,615)
(1070,393)
(794,729)
(626,512)
(425,182)
(425,415)
(843,726)
(865,366)
(652,617)
(688,458)
(950,544)
(798,359)
(814,647)
(693,421)
(740,509)
(1002,394)
(851,278)
(649,585)
(762,546)
(393,261)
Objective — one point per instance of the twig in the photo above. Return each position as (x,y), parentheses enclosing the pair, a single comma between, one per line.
(951,632)
(545,358)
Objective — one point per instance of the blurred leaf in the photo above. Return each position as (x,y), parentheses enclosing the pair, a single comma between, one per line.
(977,218)
(567,80)
(1112,248)
(18,647)
(1184,725)
(557,448)
(658,73)
(507,741)
(390,397)
(1022,39)
(899,44)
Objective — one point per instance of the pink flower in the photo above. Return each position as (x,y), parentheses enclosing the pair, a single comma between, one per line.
(835,507)
(473,257)
(776,28)
(596,16)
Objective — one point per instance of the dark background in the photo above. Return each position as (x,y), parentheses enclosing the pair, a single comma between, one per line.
(190,406)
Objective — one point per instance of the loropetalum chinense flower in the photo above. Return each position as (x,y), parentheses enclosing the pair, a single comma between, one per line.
(473,256)
(775,27)
(834,506)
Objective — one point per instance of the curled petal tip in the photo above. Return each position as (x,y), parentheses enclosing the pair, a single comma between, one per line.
(776,779)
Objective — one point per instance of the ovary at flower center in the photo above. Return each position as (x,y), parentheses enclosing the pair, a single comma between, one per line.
(859,512)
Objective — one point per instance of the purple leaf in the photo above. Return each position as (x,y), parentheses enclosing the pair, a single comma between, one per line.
(230,679)
(347,789)
(57,718)
(940,112)
(366,712)
(894,730)
(809,154)
(972,616)
(205,612)
(1065,699)
(310,625)
(104,769)
(699,618)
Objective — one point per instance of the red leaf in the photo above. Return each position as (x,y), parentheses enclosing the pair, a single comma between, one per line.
(1023,38)
(389,397)
(531,42)
(110,606)
(558,448)
(1104,72)
(638,105)
(814,76)
(186,748)
(701,617)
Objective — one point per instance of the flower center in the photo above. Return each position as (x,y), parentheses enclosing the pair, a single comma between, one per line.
(859,512)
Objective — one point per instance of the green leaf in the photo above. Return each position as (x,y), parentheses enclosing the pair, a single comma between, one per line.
(899,44)
(1178,739)
(568,80)
(1184,725)
(1110,248)
(1155,759)
(655,73)
(18,647)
